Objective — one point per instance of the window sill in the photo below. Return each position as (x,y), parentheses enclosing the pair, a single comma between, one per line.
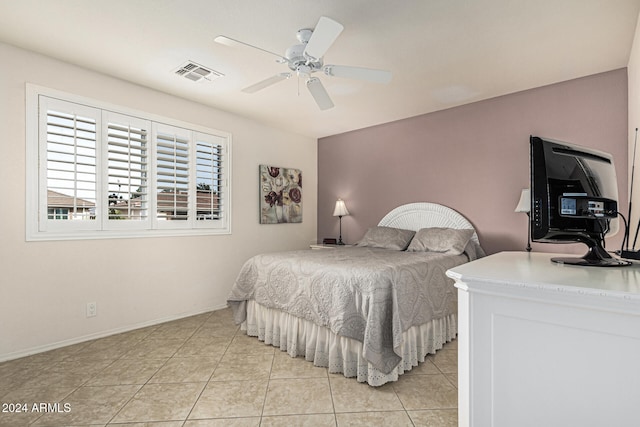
(44,236)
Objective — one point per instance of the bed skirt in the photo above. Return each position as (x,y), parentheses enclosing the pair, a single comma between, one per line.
(299,337)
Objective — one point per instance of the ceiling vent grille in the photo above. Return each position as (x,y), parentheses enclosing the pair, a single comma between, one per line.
(197,73)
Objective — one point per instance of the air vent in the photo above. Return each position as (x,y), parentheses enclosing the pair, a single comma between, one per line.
(196,72)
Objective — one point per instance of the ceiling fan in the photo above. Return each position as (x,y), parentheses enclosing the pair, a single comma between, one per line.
(306,58)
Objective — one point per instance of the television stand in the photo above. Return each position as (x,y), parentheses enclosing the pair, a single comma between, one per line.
(541,344)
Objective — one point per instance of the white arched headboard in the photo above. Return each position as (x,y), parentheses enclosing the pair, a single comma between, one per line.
(414,216)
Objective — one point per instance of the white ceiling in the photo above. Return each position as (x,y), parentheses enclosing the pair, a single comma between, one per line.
(442,53)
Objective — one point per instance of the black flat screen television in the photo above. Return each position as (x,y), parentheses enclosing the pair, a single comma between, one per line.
(574,198)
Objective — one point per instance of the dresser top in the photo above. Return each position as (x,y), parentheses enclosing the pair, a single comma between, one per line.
(535,270)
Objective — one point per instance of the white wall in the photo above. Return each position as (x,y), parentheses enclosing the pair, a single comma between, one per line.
(633,75)
(45,286)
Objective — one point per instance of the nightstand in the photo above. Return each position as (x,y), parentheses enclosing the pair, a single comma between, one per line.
(318,246)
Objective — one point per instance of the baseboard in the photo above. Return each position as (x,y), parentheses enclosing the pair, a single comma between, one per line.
(102,334)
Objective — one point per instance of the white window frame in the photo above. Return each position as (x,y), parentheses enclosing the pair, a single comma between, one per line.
(40,227)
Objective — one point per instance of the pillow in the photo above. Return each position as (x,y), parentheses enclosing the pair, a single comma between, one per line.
(474,250)
(446,240)
(387,238)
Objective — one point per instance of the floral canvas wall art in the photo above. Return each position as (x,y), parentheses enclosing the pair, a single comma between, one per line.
(280,195)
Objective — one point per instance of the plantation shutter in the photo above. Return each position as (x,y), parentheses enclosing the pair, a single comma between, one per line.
(106,172)
(127,168)
(172,172)
(68,165)
(211,186)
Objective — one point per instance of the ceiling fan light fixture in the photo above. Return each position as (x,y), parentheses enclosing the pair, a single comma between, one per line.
(306,58)
(304,71)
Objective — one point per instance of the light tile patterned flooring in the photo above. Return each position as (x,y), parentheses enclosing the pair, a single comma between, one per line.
(203,371)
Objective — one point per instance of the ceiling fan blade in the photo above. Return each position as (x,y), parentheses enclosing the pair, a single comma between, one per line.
(326,32)
(266,82)
(319,93)
(228,41)
(358,73)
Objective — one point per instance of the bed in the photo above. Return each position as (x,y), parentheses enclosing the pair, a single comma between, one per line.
(372,311)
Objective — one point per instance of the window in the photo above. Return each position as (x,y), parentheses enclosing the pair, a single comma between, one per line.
(103,171)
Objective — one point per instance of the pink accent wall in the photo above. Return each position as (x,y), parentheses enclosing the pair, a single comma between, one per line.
(473,158)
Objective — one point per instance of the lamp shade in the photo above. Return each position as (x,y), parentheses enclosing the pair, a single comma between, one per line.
(524,205)
(340,209)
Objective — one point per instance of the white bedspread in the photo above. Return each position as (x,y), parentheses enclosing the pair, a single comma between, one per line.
(367,294)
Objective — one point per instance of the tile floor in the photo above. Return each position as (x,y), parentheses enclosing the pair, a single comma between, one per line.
(203,371)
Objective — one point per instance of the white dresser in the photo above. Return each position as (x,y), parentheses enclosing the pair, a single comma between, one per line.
(543,344)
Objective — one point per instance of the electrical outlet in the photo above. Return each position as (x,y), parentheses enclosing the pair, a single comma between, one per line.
(92,309)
